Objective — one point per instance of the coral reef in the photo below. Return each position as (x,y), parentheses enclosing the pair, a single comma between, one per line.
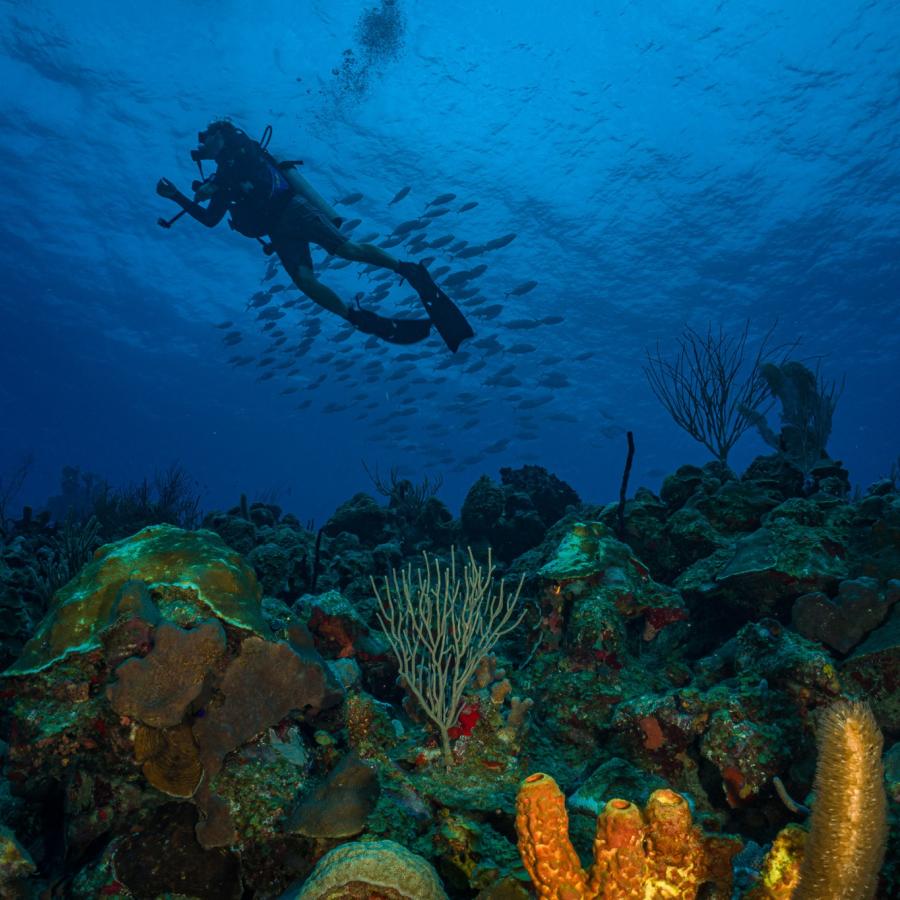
(227,700)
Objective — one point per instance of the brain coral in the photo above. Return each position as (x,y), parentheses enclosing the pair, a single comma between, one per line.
(370,868)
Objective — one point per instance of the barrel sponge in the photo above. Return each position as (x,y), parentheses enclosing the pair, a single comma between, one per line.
(363,869)
(848,827)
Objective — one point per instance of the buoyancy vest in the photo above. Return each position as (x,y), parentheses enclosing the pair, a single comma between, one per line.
(256,189)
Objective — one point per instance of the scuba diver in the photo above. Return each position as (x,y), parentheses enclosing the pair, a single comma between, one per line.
(267,197)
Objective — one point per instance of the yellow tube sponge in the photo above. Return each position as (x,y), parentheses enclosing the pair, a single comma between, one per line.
(542,824)
(848,827)
(655,853)
(619,861)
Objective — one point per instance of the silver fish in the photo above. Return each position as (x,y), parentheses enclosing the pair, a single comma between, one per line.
(499,242)
(409,226)
(521,289)
(440,201)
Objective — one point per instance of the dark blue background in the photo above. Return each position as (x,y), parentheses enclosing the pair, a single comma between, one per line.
(711,162)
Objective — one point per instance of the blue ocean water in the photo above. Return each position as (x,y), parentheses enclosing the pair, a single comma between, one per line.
(660,166)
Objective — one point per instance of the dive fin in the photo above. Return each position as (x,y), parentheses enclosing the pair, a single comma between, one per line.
(443,312)
(394,331)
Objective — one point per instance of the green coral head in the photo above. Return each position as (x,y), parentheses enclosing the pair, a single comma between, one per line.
(194,572)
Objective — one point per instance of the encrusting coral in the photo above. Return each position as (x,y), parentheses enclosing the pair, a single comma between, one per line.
(655,852)
(169,758)
(146,688)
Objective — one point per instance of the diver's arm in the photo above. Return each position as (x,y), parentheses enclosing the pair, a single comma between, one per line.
(206,215)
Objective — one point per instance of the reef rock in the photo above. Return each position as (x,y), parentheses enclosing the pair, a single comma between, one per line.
(549,495)
(843,621)
(361,516)
(874,668)
(796,550)
(157,661)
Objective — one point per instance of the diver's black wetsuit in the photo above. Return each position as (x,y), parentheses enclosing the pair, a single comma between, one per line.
(291,223)
(249,186)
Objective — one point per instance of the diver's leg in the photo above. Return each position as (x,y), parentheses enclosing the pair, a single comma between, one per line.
(319,293)
(367,253)
(293,251)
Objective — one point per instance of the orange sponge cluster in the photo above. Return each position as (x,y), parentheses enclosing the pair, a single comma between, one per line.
(654,852)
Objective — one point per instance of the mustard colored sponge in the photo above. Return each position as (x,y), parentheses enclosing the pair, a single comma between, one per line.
(848,827)
(542,824)
(657,852)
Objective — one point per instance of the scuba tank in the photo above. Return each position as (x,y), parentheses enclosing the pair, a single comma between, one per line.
(289,168)
(302,188)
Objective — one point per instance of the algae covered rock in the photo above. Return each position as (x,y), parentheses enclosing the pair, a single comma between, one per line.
(482,509)
(843,621)
(339,629)
(795,551)
(503,517)
(15,861)
(596,583)
(237,532)
(679,487)
(272,565)
(549,495)
(361,516)
(874,668)
(165,859)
